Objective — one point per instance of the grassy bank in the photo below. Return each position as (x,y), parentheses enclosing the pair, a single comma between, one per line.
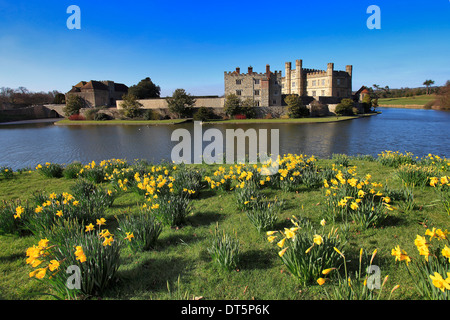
(180,256)
(407,102)
(231,121)
(67,122)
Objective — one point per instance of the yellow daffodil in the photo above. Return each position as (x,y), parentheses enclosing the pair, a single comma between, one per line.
(440,283)
(446,252)
(318,239)
(108,241)
(281,243)
(129,236)
(19,211)
(400,255)
(282,252)
(89,227)
(321,281)
(101,221)
(54,265)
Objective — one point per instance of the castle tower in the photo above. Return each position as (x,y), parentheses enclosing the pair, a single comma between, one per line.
(298,77)
(330,69)
(349,70)
(287,83)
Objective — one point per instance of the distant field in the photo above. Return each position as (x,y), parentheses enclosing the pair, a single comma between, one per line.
(404,101)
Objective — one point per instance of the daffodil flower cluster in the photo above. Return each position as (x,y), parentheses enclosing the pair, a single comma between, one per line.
(305,251)
(431,273)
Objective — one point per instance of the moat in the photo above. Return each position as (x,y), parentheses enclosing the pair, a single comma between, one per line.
(416,130)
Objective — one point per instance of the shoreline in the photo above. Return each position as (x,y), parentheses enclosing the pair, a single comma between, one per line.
(330,119)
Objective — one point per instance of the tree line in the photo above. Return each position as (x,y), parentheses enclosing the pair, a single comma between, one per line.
(22,97)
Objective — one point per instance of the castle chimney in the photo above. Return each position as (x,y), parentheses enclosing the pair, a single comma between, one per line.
(238,70)
(250,70)
(349,69)
(267,70)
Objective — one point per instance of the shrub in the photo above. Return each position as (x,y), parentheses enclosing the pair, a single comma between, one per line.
(76,117)
(224,250)
(296,109)
(74,104)
(131,108)
(50,170)
(143,227)
(345,108)
(203,114)
(100,116)
(150,114)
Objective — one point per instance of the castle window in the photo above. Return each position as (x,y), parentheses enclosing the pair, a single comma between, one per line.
(275,92)
(238,92)
(256,92)
(257,103)
(256,81)
(274,101)
(338,82)
(314,93)
(314,83)
(323,93)
(238,81)
(323,82)
(293,84)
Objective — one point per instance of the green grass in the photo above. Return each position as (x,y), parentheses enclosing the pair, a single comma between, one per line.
(117,122)
(237,121)
(182,253)
(421,100)
(288,120)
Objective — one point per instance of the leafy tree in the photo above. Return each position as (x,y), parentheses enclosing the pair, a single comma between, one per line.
(428,83)
(345,108)
(60,98)
(232,104)
(247,108)
(181,103)
(131,108)
(367,103)
(145,89)
(443,97)
(296,109)
(203,114)
(73,105)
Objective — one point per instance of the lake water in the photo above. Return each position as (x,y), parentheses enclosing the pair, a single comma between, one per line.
(413,130)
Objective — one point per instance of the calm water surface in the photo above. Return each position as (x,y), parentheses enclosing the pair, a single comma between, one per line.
(417,131)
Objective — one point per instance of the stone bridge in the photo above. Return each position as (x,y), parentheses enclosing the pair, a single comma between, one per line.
(54,110)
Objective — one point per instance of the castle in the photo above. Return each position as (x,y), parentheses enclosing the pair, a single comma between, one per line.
(268,88)
(99,93)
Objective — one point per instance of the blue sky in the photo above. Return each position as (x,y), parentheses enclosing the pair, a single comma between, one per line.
(189,44)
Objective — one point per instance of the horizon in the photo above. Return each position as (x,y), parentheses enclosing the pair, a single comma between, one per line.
(190,45)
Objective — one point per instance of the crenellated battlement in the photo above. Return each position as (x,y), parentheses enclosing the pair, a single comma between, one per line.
(266,88)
